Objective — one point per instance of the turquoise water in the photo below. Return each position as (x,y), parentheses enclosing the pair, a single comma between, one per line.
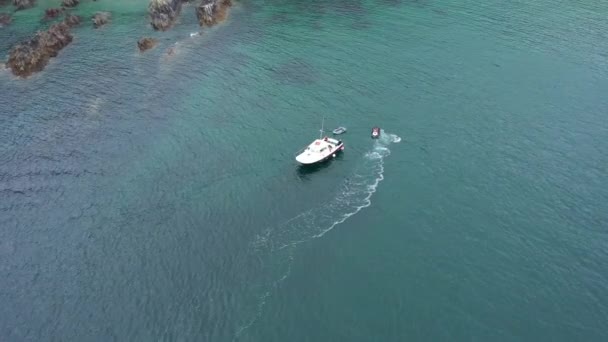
(156,197)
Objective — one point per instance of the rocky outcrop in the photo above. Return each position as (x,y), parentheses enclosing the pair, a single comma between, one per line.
(163,13)
(33,55)
(70,3)
(5,19)
(72,20)
(146,44)
(23,4)
(211,12)
(26,59)
(52,13)
(101,18)
(56,38)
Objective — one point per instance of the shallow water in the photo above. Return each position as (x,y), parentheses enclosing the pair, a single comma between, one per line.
(155,196)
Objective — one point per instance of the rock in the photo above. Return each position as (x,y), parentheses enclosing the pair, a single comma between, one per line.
(5,19)
(146,44)
(163,13)
(51,13)
(101,18)
(211,12)
(26,58)
(72,20)
(56,38)
(69,3)
(33,55)
(23,4)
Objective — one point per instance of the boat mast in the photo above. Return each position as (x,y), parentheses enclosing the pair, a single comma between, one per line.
(322,122)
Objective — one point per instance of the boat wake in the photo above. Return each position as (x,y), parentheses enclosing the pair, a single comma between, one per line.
(275,247)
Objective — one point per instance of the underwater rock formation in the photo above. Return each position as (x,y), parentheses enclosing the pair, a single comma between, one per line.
(72,20)
(146,44)
(23,4)
(5,19)
(52,13)
(101,18)
(70,3)
(33,55)
(163,13)
(211,12)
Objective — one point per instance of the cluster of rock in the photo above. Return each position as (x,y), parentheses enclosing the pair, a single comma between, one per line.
(23,4)
(51,13)
(33,55)
(210,12)
(70,3)
(163,13)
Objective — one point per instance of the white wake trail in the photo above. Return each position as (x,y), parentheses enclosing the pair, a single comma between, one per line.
(277,244)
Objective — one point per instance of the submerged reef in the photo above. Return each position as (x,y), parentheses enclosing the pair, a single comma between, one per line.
(52,13)
(101,18)
(72,20)
(5,19)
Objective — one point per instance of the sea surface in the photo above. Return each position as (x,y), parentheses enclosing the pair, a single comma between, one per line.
(155,196)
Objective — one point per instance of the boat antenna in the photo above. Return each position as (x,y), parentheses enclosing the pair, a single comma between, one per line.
(322,122)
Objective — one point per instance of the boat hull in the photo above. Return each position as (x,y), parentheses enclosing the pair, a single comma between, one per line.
(312,161)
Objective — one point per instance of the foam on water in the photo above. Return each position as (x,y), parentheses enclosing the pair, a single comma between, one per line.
(277,244)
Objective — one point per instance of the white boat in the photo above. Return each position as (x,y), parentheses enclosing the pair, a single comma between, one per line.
(320,150)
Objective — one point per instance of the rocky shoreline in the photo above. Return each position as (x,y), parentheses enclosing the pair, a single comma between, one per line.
(33,55)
